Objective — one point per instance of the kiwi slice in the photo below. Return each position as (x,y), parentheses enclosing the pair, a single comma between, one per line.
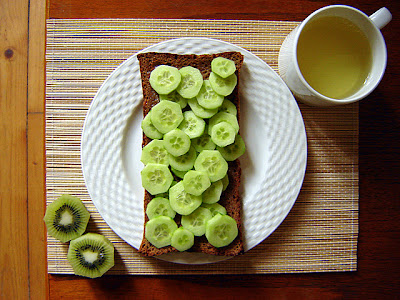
(66,218)
(91,255)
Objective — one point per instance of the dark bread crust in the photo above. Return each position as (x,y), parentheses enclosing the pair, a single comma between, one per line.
(230,198)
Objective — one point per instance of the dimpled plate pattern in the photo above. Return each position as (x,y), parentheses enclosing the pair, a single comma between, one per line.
(273,166)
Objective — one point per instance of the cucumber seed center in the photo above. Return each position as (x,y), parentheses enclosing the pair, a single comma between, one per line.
(183,239)
(188,82)
(184,198)
(165,78)
(221,230)
(157,177)
(161,210)
(211,164)
(177,142)
(168,116)
(158,154)
(161,231)
(196,183)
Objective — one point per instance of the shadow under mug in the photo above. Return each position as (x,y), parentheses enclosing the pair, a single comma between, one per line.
(289,68)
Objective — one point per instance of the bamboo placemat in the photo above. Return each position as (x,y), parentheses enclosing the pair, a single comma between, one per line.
(319,234)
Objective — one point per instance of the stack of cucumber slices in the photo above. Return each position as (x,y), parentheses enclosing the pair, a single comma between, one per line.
(195,133)
(90,254)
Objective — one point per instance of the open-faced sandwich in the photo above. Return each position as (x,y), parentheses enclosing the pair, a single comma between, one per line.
(191,145)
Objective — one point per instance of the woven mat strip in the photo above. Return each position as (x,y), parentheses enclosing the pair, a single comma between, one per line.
(319,234)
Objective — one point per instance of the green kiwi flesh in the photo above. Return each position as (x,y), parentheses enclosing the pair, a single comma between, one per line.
(66,218)
(91,255)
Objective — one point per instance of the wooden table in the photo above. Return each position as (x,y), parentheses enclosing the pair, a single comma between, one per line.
(23,272)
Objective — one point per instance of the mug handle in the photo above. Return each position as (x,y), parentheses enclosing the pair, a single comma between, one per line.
(381,17)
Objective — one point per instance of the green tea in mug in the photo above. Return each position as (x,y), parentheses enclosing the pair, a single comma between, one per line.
(334,56)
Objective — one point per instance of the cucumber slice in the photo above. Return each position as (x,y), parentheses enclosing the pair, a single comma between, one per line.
(200,111)
(184,162)
(208,98)
(228,107)
(182,239)
(156,178)
(223,134)
(165,79)
(233,151)
(158,231)
(211,162)
(149,129)
(174,97)
(225,182)
(223,67)
(166,116)
(213,193)
(178,173)
(176,142)
(203,142)
(196,182)
(155,152)
(181,201)
(215,208)
(191,82)
(223,117)
(221,230)
(159,206)
(197,220)
(223,86)
(192,125)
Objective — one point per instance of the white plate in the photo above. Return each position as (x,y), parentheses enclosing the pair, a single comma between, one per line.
(273,167)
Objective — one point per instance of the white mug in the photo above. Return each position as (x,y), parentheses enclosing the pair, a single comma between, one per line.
(289,68)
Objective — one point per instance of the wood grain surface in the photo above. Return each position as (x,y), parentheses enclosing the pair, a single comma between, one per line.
(22,248)
(14,267)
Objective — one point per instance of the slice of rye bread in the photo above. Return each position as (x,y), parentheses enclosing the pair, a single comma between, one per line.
(230,198)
